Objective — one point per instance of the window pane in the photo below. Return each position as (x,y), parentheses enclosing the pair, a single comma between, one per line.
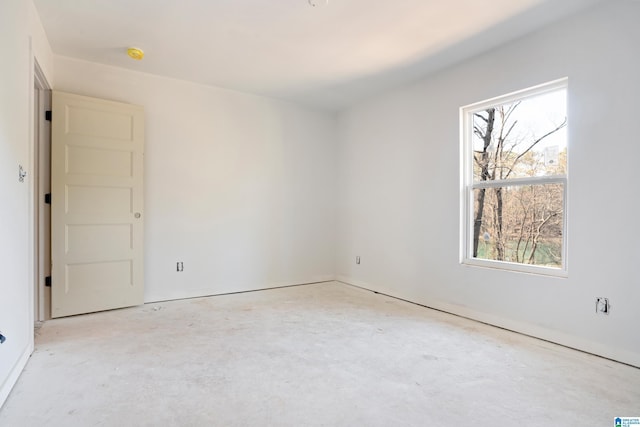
(525,138)
(519,223)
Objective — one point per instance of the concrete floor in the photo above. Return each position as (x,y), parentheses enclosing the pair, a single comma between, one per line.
(315,355)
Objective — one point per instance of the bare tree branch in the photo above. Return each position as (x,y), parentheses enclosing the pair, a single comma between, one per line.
(478,115)
(509,131)
(563,124)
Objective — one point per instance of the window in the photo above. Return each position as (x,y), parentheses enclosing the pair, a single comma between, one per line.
(515,180)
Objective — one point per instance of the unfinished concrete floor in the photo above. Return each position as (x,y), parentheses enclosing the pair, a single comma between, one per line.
(316,355)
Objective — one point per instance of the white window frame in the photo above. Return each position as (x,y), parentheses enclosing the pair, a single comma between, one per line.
(468,186)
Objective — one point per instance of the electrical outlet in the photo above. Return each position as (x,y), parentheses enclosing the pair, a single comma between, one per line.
(602,305)
(180,266)
(357,260)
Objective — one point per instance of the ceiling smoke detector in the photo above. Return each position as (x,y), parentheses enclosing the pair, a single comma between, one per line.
(318,3)
(135,53)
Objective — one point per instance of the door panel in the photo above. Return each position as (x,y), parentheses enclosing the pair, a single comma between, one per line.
(96,161)
(97,205)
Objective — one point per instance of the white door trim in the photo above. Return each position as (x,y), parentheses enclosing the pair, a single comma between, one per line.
(41,184)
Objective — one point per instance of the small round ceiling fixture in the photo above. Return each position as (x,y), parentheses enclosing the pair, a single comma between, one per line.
(318,3)
(135,53)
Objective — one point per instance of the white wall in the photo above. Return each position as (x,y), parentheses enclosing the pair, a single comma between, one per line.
(400,187)
(22,39)
(240,188)
(41,50)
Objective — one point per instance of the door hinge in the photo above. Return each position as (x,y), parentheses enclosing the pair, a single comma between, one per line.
(47,198)
(47,281)
(47,115)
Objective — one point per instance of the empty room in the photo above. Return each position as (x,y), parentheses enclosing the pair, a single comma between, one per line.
(319,213)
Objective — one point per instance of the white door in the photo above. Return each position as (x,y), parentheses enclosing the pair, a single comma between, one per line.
(96,205)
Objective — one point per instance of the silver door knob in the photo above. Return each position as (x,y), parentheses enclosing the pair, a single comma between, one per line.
(137,215)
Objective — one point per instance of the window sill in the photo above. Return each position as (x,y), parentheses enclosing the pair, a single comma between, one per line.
(516,267)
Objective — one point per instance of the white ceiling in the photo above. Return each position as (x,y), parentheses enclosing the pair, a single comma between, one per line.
(326,57)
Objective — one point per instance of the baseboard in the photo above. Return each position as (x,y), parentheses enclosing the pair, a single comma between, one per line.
(14,374)
(201,293)
(556,337)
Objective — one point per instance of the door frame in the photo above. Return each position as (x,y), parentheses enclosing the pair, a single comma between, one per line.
(41,184)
